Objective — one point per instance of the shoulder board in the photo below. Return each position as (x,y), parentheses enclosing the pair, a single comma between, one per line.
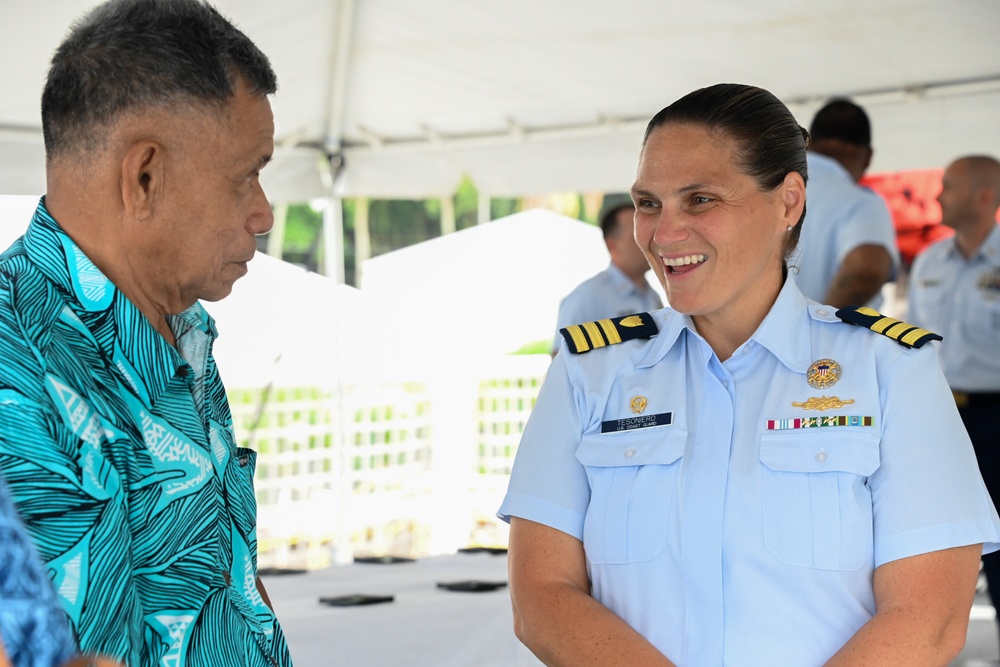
(901,332)
(582,338)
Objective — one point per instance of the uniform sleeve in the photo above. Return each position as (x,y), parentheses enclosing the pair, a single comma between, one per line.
(927,493)
(868,223)
(547,483)
(914,312)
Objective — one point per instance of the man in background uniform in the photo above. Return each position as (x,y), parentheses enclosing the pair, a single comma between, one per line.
(955,290)
(620,289)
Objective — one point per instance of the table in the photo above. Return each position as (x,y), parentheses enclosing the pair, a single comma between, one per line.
(424,625)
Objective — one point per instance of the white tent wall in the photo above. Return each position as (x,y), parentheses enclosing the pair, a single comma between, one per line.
(529,97)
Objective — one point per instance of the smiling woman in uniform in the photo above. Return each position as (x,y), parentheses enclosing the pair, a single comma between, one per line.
(743,478)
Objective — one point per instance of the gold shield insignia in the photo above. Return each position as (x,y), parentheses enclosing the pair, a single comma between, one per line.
(823,373)
(638,404)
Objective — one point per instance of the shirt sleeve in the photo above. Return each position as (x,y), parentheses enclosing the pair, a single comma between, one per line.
(548,484)
(927,493)
(868,223)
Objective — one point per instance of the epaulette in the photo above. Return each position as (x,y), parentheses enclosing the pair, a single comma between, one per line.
(901,332)
(589,336)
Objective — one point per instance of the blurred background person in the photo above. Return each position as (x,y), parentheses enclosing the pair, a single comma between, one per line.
(848,247)
(620,289)
(955,289)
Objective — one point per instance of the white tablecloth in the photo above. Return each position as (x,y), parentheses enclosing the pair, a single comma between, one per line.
(424,625)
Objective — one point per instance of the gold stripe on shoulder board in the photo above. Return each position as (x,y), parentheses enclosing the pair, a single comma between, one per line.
(901,332)
(589,336)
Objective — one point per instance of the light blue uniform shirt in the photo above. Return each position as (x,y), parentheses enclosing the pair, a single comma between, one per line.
(840,216)
(724,541)
(609,293)
(959,298)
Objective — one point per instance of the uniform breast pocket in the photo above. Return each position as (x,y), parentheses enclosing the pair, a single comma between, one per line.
(983,318)
(632,484)
(817,507)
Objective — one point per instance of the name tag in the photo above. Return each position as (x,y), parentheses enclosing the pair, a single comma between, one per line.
(642,421)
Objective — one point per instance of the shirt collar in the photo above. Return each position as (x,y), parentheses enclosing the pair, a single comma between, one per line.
(817,162)
(988,251)
(785,331)
(620,280)
(135,349)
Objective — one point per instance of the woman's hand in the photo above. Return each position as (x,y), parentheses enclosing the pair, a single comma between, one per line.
(554,614)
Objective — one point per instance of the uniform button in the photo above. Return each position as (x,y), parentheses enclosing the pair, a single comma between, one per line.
(725,383)
(821,457)
(823,311)
(630,452)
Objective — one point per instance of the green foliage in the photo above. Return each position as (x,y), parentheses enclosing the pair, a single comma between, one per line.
(535,347)
(392,224)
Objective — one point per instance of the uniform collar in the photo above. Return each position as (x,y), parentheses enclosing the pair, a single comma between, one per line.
(988,251)
(621,281)
(817,162)
(785,331)
(137,352)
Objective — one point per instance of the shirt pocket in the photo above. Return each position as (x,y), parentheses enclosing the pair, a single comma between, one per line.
(817,507)
(983,318)
(632,484)
(240,497)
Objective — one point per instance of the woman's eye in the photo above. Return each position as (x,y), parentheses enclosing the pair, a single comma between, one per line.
(698,199)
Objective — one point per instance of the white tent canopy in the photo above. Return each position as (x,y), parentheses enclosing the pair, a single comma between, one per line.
(533,96)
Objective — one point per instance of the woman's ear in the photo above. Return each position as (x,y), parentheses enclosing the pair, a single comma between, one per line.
(793,199)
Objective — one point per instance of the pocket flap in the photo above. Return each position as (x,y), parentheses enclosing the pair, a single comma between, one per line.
(654,446)
(819,451)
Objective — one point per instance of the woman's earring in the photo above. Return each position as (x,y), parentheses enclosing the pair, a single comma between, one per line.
(788,228)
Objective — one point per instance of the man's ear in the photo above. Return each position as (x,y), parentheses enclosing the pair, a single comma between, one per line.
(142,178)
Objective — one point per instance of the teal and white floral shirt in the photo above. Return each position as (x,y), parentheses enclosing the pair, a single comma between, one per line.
(119,452)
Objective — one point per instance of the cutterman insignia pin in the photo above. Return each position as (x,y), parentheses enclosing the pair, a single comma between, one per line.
(823,373)
(822,403)
(638,404)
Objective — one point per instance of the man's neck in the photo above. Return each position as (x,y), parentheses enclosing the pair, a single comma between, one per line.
(969,240)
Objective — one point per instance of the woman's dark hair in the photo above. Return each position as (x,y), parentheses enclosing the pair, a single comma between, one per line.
(126,55)
(770,143)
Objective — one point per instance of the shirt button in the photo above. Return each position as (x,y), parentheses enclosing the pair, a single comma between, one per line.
(630,452)
(823,311)
(821,457)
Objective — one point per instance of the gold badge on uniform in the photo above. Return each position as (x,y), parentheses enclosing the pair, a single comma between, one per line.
(638,404)
(823,373)
(822,403)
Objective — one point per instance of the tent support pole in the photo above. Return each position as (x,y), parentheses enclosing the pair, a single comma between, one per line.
(362,239)
(484,208)
(276,237)
(447,215)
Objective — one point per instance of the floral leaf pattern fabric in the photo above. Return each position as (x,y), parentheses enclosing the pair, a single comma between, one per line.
(119,452)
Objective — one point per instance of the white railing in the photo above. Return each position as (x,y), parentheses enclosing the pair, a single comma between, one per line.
(402,467)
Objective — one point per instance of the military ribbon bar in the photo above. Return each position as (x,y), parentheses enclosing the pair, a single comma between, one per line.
(818,422)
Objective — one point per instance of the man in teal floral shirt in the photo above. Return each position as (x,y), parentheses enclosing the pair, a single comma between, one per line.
(116,438)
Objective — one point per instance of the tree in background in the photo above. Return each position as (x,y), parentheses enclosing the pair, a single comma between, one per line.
(397,223)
